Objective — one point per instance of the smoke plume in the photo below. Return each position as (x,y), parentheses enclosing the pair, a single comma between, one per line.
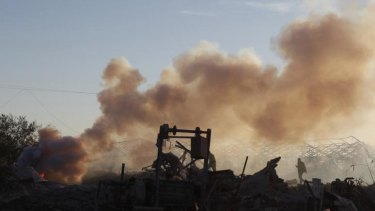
(62,158)
(322,83)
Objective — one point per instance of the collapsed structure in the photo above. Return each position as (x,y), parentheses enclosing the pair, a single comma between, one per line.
(181,183)
(328,159)
(322,83)
(190,181)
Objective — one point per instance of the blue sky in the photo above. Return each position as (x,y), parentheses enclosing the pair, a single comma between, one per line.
(65,45)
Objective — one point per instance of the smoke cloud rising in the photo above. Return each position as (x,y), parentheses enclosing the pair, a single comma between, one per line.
(323,80)
(62,158)
(327,59)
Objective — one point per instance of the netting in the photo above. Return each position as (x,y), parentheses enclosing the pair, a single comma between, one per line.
(326,159)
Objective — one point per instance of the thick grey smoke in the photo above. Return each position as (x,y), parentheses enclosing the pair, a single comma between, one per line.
(62,158)
(327,59)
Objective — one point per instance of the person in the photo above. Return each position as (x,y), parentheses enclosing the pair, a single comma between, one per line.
(301,169)
(212,162)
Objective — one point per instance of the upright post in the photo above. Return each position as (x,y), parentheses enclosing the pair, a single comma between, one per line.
(205,170)
(163,134)
(122,171)
(370,173)
(244,167)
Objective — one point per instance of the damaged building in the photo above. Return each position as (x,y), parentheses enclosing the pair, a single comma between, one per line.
(184,176)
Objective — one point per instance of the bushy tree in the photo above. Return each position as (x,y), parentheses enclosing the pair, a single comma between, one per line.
(15,134)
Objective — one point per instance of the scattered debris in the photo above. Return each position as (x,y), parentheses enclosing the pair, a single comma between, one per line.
(172,182)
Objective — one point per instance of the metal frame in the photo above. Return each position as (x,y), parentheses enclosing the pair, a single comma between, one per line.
(164,133)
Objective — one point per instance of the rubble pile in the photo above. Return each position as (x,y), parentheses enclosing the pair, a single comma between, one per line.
(263,190)
(187,179)
(46,197)
(326,159)
(27,194)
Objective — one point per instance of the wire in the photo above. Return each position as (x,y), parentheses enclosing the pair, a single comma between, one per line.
(29,88)
(50,113)
(11,98)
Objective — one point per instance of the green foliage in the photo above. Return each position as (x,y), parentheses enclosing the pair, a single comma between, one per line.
(15,134)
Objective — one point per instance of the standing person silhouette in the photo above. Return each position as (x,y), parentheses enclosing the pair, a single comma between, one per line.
(301,169)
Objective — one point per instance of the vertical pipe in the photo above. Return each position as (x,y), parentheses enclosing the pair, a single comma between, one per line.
(163,134)
(122,171)
(159,144)
(205,170)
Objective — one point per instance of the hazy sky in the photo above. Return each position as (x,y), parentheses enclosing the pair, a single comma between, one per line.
(65,45)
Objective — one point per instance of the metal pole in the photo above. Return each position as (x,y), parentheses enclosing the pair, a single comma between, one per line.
(174,130)
(244,167)
(205,170)
(370,173)
(157,170)
(122,171)
(163,134)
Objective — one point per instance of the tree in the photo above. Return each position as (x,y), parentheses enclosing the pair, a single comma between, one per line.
(15,134)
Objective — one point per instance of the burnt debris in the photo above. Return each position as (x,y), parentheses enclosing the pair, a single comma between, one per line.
(185,181)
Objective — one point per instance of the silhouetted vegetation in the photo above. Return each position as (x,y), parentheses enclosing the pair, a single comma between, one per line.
(15,134)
